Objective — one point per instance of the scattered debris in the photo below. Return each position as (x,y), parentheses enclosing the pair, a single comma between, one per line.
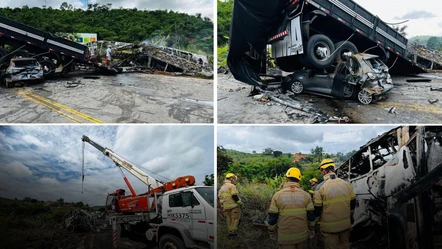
(221,98)
(418,80)
(72,84)
(339,119)
(435,89)
(78,220)
(392,110)
(433,101)
(312,101)
(91,77)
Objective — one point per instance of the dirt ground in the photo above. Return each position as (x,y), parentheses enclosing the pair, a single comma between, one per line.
(125,98)
(410,99)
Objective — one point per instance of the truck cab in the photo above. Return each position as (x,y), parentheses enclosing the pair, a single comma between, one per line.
(188,218)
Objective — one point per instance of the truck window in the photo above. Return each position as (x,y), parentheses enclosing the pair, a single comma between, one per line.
(175,200)
(189,199)
(207,194)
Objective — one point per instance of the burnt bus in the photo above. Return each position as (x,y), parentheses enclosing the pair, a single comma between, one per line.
(397,179)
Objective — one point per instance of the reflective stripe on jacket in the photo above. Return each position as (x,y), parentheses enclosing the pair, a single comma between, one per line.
(292,204)
(225,195)
(334,195)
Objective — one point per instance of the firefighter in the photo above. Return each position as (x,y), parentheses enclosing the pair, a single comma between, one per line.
(291,213)
(231,203)
(314,184)
(334,202)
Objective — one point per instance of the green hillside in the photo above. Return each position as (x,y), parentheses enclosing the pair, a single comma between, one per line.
(179,30)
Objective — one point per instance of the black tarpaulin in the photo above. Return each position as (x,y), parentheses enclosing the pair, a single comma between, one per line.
(252,23)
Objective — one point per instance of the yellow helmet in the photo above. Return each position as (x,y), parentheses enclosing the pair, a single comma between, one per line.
(326,163)
(294,172)
(230,175)
(313,180)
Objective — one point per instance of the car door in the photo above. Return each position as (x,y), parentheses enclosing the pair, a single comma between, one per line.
(197,215)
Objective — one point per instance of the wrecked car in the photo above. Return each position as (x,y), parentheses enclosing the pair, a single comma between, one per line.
(397,179)
(361,76)
(22,70)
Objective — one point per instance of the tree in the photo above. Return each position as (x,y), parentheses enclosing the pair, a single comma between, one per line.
(79,204)
(317,153)
(277,153)
(222,160)
(209,180)
(267,151)
(434,43)
(60,201)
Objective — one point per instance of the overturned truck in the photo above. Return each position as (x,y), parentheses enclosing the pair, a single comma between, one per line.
(397,179)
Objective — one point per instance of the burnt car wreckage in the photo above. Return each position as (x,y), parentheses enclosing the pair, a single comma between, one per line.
(397,179)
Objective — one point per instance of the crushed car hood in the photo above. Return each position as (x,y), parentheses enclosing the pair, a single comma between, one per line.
(252,22)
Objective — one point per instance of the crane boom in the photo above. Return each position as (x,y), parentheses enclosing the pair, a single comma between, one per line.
(123,163)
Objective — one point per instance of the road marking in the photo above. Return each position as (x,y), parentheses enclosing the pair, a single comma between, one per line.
(51,104)
(413,107)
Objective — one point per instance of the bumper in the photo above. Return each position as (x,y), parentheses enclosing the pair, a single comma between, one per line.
(25,77)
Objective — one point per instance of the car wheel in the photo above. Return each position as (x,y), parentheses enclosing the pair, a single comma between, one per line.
(348,90)
(365,97)
(48,68)
(169,241)
(319,51)
(296,86)
(344,47)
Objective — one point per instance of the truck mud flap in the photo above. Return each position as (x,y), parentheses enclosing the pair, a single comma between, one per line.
(252,23)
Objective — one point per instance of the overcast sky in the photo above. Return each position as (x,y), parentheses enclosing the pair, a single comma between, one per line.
(294,139)
(425,16)
(204,7)
(45,162)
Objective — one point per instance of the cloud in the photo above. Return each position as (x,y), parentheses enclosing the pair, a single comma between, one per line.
(33,140)
(49,181)
(416,14)
(17,169)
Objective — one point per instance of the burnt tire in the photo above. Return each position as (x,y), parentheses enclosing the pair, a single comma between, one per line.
(344,47)
(20,53)
(169,241)
(320,51)
(48,68)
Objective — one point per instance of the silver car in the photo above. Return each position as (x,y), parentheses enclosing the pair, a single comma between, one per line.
(361,76)
(23,70)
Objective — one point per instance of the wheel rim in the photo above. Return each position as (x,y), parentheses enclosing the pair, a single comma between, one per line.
(322,51)
(297,87)
(348,90)
(170,245)
(365,97)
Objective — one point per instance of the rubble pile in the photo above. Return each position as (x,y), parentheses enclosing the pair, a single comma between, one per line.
(77,220)
(426,53)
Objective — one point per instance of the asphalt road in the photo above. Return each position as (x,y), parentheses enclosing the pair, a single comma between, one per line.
(125,98)
(410,99)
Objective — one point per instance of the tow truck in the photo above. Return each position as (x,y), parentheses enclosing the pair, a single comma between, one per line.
(176,214)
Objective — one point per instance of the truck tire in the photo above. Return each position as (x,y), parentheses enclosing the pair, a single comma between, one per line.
(169,241)
(344,47)
(320,51)
(48,68)
(21,53)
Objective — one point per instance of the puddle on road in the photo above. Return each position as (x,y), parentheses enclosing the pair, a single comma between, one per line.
(201,102)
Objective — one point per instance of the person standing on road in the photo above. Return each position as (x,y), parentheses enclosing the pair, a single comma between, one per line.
(108,54)
(291,214)
(231,203)
(334,202)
